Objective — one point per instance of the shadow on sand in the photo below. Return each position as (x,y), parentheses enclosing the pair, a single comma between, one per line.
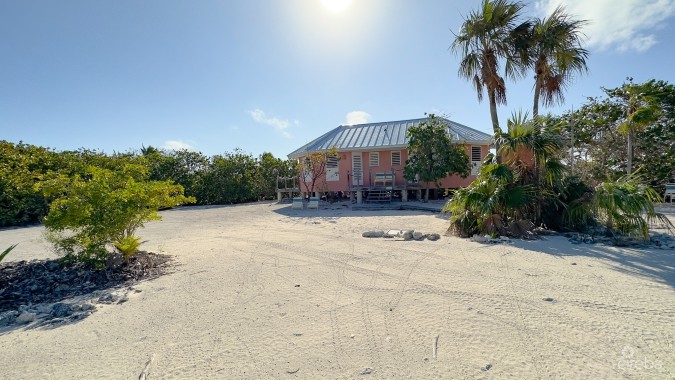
(344,209)
(653,264)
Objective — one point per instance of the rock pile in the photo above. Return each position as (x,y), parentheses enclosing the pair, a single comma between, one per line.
(406,235)
(656,240)
(49,291)
(487,239)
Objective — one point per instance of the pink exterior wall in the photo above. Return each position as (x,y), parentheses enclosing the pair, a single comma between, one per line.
(385,166)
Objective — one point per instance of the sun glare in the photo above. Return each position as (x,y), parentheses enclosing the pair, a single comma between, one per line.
(336,5)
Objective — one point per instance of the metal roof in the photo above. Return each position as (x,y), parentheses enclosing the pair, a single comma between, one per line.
(388,134)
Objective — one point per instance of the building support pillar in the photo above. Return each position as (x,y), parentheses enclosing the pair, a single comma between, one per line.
(404,195)
(359,197)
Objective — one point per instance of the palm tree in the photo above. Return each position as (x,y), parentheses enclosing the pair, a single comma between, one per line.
(532,137)
(555,53)
(627,206)
(642,110)
(492,203)
(485,38)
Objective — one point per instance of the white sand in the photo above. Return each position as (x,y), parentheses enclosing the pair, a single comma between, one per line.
(266,292)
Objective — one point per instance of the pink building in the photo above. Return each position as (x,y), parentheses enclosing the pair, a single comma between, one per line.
(371,158)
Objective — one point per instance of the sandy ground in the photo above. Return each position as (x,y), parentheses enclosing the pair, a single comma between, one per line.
(265,292)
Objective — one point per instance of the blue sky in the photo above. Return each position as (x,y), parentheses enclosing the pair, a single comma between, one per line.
(270,75)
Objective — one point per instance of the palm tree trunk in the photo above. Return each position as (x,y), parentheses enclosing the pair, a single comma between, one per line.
(535,106)
(629,161)
(495,124)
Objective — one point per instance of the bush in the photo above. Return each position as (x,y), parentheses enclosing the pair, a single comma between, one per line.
(104,207)
(620,205)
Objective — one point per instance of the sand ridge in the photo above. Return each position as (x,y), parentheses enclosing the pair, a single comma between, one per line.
(265,292)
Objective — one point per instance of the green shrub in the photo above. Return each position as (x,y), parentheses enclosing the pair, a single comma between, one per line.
(102,207)
(128,245)
(625,206)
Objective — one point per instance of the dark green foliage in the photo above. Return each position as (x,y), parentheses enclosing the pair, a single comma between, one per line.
(569,205)
(227,179)
(21,165)
(223,179)
(625,206)
(183,167)
(494,200)
(268,169)
(432,154)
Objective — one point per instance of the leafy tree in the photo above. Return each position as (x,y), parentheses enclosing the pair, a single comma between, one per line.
(228,179)
(183,167)
(20,167)
(554,51)
(312,169)
(488,36)
(597,131)
(268,169)
(432,154)
(104,207)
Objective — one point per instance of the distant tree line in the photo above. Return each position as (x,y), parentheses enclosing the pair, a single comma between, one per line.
(221,179)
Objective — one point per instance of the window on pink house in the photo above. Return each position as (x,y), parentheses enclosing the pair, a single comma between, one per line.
(476,158)
(396,158)
(374,158)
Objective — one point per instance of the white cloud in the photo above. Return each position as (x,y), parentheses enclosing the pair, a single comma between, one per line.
(176,145)
(280,125)
(358,117)
(621,25)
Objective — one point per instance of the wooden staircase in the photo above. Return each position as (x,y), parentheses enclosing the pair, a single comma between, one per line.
(379,196)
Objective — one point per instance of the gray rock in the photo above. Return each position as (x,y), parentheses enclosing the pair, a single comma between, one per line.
(408,235)
(108,298)
(433,237)
(43,308)
(367,371)
(393,233)
(418,235)
(486,367)
(86,307)
(25,317)
(60,310)
(8,317)
(373,234)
